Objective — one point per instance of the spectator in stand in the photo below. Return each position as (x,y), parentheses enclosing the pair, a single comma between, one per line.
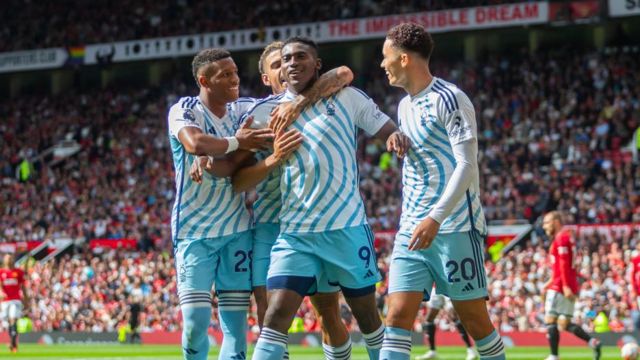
(70,23)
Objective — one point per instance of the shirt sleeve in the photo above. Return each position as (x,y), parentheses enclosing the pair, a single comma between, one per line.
(459,117)
(466,156)
(368,116)
(180,118)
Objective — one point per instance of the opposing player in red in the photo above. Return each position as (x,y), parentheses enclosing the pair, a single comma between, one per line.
(635,275)
(11,282)
(562,288)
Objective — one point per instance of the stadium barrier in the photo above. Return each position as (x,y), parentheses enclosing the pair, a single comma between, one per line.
(445,338)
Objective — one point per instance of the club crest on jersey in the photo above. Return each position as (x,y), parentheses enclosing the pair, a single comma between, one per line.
(424,114)
(331,109)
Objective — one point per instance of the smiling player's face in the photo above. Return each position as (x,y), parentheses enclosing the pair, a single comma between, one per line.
(392,64)
(221,78)
(300,65)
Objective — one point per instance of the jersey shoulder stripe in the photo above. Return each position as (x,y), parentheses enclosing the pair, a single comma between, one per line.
(446,87)
(189,102)
(446,97)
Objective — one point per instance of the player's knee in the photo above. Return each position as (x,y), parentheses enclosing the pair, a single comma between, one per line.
(563,323)
(196,323)
(279,315)
(365,311)
(398,317)
(478,326)
(328,310)
(368,319)
(550,320)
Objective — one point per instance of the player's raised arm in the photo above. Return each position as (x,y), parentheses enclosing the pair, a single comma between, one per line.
(285,144)
(328,84)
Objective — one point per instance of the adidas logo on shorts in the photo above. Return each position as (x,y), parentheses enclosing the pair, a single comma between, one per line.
(467,287)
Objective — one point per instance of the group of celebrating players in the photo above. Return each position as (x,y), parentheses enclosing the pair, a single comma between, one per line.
(307,232)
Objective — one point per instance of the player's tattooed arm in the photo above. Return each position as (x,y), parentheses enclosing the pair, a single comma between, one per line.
(285,144)
(328,84)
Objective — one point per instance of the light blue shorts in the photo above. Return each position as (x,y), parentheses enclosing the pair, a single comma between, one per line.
(264,236)
(454,262)
(223,261)
(308,262)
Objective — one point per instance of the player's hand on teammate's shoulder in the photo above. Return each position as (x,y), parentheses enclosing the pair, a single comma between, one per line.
(251,139)
(398,143)
(424,234)
(285,144)
(283,115)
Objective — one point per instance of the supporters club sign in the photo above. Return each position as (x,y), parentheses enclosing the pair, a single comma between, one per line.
(328,31)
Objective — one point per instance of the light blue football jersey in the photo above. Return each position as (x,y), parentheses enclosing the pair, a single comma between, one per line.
(319,182)
(210,209)
(434,119)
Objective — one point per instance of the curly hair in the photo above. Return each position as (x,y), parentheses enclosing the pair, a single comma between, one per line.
(274,46)
(206,57)
(412,37)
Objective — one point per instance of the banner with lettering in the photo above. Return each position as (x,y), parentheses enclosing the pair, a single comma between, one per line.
(473,18)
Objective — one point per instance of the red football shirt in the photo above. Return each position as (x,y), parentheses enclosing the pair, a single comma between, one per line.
(11,280)
(564,272)
(635,273)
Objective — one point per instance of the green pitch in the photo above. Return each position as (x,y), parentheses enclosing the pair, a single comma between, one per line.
(165,352)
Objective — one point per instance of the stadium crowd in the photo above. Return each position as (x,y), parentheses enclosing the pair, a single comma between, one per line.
(551,129)
(93,291)
(72,23)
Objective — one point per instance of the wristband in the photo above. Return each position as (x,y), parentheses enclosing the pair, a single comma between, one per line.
(233,144)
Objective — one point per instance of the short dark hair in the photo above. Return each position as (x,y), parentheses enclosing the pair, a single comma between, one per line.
(412,37)
(274,46)
(206,57)
(302,40)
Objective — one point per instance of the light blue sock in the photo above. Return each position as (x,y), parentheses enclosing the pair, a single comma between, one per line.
(396,344)
(271,345)
(342,352)
(196,315)
(232,310)
(491,347)
(374,342)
